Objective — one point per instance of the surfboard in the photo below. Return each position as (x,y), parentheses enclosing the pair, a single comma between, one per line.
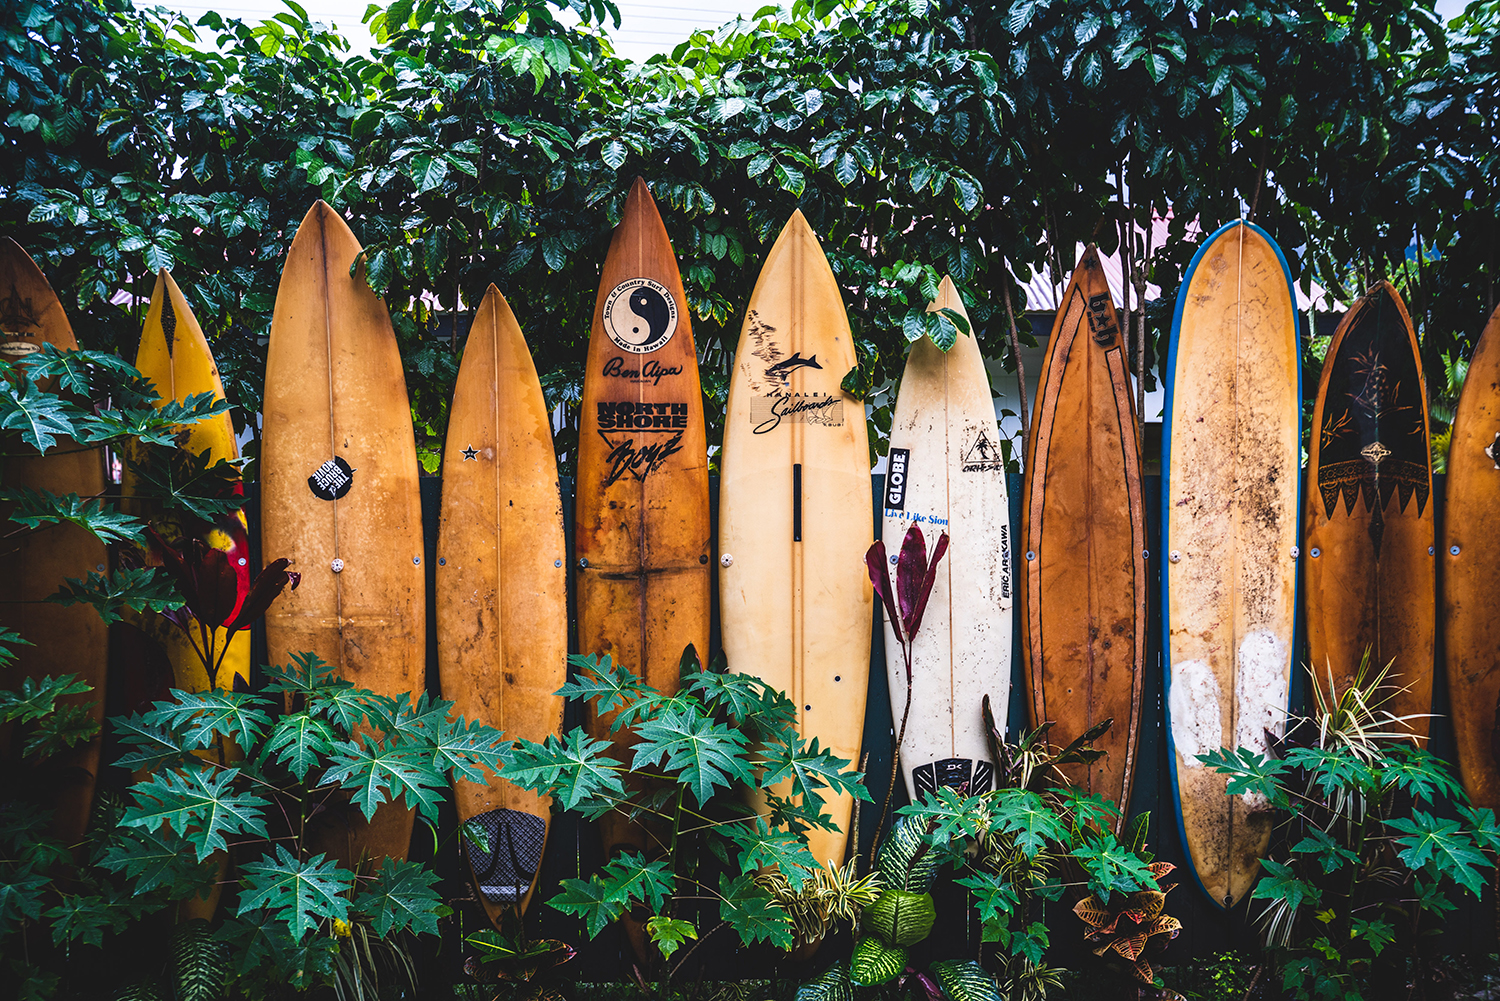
(1471,571)
(176,357)
(794,596)
(641,518)
(502,596)
(1084,541)
(339,498)
(1368,512)
(946,473)
(34,565)
(1229,530)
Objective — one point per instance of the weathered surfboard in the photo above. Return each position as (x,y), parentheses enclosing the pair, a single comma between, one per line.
(1229,531)
(1084,545)
(794,596)
(502,597)
(34,565)
(641,530)
(339,497)
(176,357)
(946,474)
(1368,522)
(1471,571)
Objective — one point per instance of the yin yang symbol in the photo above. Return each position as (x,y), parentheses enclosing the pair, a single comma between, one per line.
(640,315)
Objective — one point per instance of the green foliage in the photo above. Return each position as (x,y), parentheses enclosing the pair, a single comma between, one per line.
(692,757)
(900,917)
(875,962)
(1371,851)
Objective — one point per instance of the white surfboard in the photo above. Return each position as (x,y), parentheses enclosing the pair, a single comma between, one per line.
(946,474)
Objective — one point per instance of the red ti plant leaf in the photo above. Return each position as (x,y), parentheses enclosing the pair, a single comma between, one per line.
(208,583)
(875,560)
(928,579)
(269,584)
(911,565)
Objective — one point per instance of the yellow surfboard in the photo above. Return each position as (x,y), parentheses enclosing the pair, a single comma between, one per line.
(339,498)
(502,589)
(175,356)
(794,508)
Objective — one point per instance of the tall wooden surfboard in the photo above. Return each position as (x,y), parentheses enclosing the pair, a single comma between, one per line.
(946,474)
(1368,525)
(1471,571)
(1230,473)
(502,599)
(1084,544)
(176,357)
(641,529)
(34,565)
(794,598)
(340,497)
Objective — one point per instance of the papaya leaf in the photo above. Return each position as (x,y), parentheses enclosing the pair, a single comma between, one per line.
(198,803)
(199,716)
(39,416)
(299,893)
(752,912)
(377,772)
(401,896)
(670,934)
(35,508)
(574,769)
(704,754)
(298,742)
(760,846)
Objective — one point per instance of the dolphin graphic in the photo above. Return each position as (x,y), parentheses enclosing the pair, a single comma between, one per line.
(783,369)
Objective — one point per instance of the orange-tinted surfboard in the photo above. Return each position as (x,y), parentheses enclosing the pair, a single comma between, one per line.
(33,565)
(1084,539)
(641,526)
(340,498)
(502,589)
(1471,571)
(1368,521)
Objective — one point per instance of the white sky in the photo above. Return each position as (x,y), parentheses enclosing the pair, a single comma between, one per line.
(646,26)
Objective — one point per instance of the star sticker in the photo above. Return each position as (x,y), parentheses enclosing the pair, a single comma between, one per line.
(470,453)
(1493,451)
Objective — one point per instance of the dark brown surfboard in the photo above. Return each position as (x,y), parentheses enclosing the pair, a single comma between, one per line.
(1471,571)
(1083,557)
(1368,517)
(34,565)
(641,527)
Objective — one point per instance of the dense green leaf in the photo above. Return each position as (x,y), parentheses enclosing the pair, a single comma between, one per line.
(300,893)
(574,769)
(752,912)
(377,772)
(35,508)
(200,804)
(703,754)
(401,896)
(142,589)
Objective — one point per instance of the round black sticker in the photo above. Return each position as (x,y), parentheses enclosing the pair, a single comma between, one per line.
(331,480)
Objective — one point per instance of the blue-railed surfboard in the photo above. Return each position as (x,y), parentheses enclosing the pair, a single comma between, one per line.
(1230,477)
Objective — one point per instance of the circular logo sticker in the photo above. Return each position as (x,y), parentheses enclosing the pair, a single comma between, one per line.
(640,315)
(331,480)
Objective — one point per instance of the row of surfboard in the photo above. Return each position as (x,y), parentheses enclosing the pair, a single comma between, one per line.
(339,496)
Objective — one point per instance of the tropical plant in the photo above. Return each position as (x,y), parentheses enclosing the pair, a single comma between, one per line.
(905,601)
(1376,837)
(692,757)
(1133,926)
(301,918)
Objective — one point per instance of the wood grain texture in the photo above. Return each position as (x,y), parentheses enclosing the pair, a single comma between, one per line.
(176,357)
(1230,515)
(1084,546)
(1367,525)
(335,390)
(1471,571)
(641,525)
(34,565)
(502,600)
(951,479)
(796,611)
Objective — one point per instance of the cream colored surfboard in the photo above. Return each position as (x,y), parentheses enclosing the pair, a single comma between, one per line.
(1229,528)
(502,588)
(945,473)
(794,504)
(339,497)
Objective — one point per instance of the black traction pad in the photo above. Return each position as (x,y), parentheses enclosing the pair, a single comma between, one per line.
(503,875)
